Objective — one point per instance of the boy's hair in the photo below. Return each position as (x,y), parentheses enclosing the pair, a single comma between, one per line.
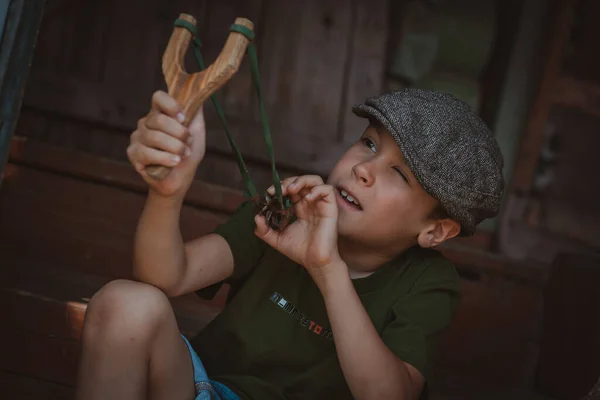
(439,212)
(449,149)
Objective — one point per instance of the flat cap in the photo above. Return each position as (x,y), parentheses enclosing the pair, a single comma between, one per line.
(448,147)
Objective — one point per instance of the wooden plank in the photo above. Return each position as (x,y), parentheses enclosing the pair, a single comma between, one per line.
(52,358)
(44,299)
(482,240)
(558,30)
(470,261)
(129,41)
(366,61)
(324,28)
(84,166)
(42,309)
(50,42)
(32,124)
(303,58)
(42,357)
(83,99)
(490,345)
(569,361)
(36,313)
(494,77)
(15,386)
(222,170)
(573,93)
(77,223)
(89,30)
(583,59)
(570,199)
(67,33)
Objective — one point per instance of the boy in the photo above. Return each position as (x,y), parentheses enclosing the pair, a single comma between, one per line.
(343,303)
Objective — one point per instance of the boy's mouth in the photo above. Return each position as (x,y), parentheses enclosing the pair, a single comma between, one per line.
(348,199)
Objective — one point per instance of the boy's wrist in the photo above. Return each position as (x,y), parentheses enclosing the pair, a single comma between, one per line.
(164,202)
(332,277)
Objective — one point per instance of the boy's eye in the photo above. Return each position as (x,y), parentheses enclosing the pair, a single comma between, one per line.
(369,143)
(401,173)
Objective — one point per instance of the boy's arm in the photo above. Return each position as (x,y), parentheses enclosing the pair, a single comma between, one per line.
(162,258)
(371,369)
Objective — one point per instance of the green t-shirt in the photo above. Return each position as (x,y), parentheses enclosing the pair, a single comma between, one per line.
(272,340)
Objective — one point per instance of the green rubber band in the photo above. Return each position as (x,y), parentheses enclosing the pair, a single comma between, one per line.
(182,23)
(265,124)
(243,30)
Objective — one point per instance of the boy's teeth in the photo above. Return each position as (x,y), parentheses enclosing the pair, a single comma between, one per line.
(344,193)
(350,199)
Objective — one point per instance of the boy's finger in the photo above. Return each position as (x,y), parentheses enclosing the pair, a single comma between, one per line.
(322,192)
(271,190)
(306,181)
(163,102)
(161,141)
(284,185)
(168,125)
(264,231)
(197,124)
(149,156)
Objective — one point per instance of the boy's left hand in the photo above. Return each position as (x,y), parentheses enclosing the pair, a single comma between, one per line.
(310,241)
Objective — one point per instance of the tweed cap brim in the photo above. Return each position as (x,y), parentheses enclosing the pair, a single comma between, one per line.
(448,148)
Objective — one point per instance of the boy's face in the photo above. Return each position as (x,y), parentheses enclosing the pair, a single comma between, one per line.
(393,208)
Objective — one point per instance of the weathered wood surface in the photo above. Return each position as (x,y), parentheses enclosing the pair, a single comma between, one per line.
(42,309)
(15,386)
(569,361)
(558,29)
(316,60)
(576,94)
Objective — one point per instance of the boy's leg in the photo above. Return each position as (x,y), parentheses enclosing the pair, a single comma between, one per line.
(132,348)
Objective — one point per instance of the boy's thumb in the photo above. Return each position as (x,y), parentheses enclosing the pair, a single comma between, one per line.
(264,231)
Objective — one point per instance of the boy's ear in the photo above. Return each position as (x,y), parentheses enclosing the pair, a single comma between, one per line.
(438,232)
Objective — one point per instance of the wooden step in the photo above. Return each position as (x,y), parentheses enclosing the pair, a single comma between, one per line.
(15,386)
(42,309)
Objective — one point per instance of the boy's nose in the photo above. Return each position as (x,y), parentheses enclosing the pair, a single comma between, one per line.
(363,172)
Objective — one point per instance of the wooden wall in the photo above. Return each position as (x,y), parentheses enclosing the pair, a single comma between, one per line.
(555,191)
(570,197)
(93,76)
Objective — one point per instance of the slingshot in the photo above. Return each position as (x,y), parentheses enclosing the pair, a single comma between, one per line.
(191,90)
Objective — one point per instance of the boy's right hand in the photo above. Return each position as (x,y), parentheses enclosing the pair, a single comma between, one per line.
(162,139)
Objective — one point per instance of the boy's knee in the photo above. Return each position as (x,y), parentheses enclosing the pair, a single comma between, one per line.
(126,305)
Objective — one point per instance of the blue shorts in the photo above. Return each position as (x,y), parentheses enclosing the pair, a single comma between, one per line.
(207,389)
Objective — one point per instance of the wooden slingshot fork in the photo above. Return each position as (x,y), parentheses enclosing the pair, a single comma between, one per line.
(191,90)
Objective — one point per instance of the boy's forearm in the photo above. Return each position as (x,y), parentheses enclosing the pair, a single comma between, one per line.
(159,251)
(371,369)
